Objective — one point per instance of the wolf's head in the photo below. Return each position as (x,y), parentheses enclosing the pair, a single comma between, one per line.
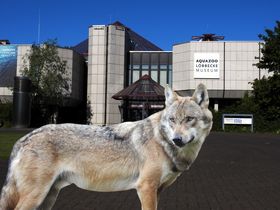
(186,120)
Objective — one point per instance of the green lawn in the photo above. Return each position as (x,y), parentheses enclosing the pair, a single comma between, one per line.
(7,140)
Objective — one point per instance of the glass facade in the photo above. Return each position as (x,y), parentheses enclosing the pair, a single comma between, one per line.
(156,64)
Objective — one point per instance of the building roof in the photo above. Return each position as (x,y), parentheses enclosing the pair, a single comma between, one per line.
(138,43)
(82,47)
(144,89)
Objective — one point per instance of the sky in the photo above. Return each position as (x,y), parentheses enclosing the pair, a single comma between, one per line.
(164,23)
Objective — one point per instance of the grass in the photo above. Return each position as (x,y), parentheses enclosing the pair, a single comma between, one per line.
(7,140)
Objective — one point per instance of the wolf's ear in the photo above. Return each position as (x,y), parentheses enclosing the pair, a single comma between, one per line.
(200,96)
(170,96)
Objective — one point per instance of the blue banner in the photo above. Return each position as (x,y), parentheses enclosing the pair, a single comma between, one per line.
(8,65)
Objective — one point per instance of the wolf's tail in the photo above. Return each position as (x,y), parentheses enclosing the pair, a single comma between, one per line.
(9,195)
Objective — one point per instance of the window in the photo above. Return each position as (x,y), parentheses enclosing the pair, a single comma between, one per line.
(145,66)
(163,78)
(135,76)
(154,75)
(163,58)
(170,78)
(163,66)
(145,72)
(154,66)
(145,58)
(154,61)
(136,66)
(136,58)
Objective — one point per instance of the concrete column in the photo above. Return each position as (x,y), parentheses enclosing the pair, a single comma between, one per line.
(106,68)
(96,72)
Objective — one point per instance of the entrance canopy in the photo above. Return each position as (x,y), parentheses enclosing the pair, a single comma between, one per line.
(144,89)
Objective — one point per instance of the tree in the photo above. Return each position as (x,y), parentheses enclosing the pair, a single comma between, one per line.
(264,102)
(48,74)
(266,91)
(271,50)
(266,95)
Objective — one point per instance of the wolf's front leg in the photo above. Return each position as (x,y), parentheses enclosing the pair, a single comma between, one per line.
(147,193)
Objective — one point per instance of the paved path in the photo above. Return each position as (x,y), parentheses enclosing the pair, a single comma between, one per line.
(232,172)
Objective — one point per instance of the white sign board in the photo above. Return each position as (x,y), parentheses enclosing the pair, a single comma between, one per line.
(238,121)
(206,65)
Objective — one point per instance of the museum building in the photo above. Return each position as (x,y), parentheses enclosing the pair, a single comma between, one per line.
(117,58)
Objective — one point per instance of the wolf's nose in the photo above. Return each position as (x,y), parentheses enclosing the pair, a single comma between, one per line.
(178,141)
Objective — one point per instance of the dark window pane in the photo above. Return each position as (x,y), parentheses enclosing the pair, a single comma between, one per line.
(129,77)
(163,58)
(145,58)
(170,57)
(154,58)
(136,58)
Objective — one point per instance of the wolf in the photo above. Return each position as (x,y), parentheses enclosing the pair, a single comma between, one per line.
(146,155)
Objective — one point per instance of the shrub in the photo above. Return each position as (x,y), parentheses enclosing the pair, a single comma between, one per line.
(6,114)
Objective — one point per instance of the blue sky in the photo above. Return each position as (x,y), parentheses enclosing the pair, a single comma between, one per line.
(162,22)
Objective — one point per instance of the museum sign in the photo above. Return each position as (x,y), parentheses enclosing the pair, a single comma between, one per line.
(206,65)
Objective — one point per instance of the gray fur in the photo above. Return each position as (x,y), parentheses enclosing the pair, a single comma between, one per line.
(132,155)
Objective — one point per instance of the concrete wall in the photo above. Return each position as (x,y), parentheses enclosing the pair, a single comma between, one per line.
(5,94)
(78,76)
(75,67)
(236,64)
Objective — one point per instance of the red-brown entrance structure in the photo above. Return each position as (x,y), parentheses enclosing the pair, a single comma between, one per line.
(141,99)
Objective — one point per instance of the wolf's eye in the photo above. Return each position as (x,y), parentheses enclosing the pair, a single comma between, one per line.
(172,119)
(188,119)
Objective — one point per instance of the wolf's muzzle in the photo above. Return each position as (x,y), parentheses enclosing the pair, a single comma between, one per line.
(178,141)
(191,139)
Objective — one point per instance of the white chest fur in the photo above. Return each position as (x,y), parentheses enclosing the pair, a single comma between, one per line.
(168,176)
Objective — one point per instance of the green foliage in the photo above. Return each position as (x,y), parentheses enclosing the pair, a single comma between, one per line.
(49,78)
(7,140)
(266,95)
(47,72)
(217,120)
(264,104)
(271,49)
(6,114)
